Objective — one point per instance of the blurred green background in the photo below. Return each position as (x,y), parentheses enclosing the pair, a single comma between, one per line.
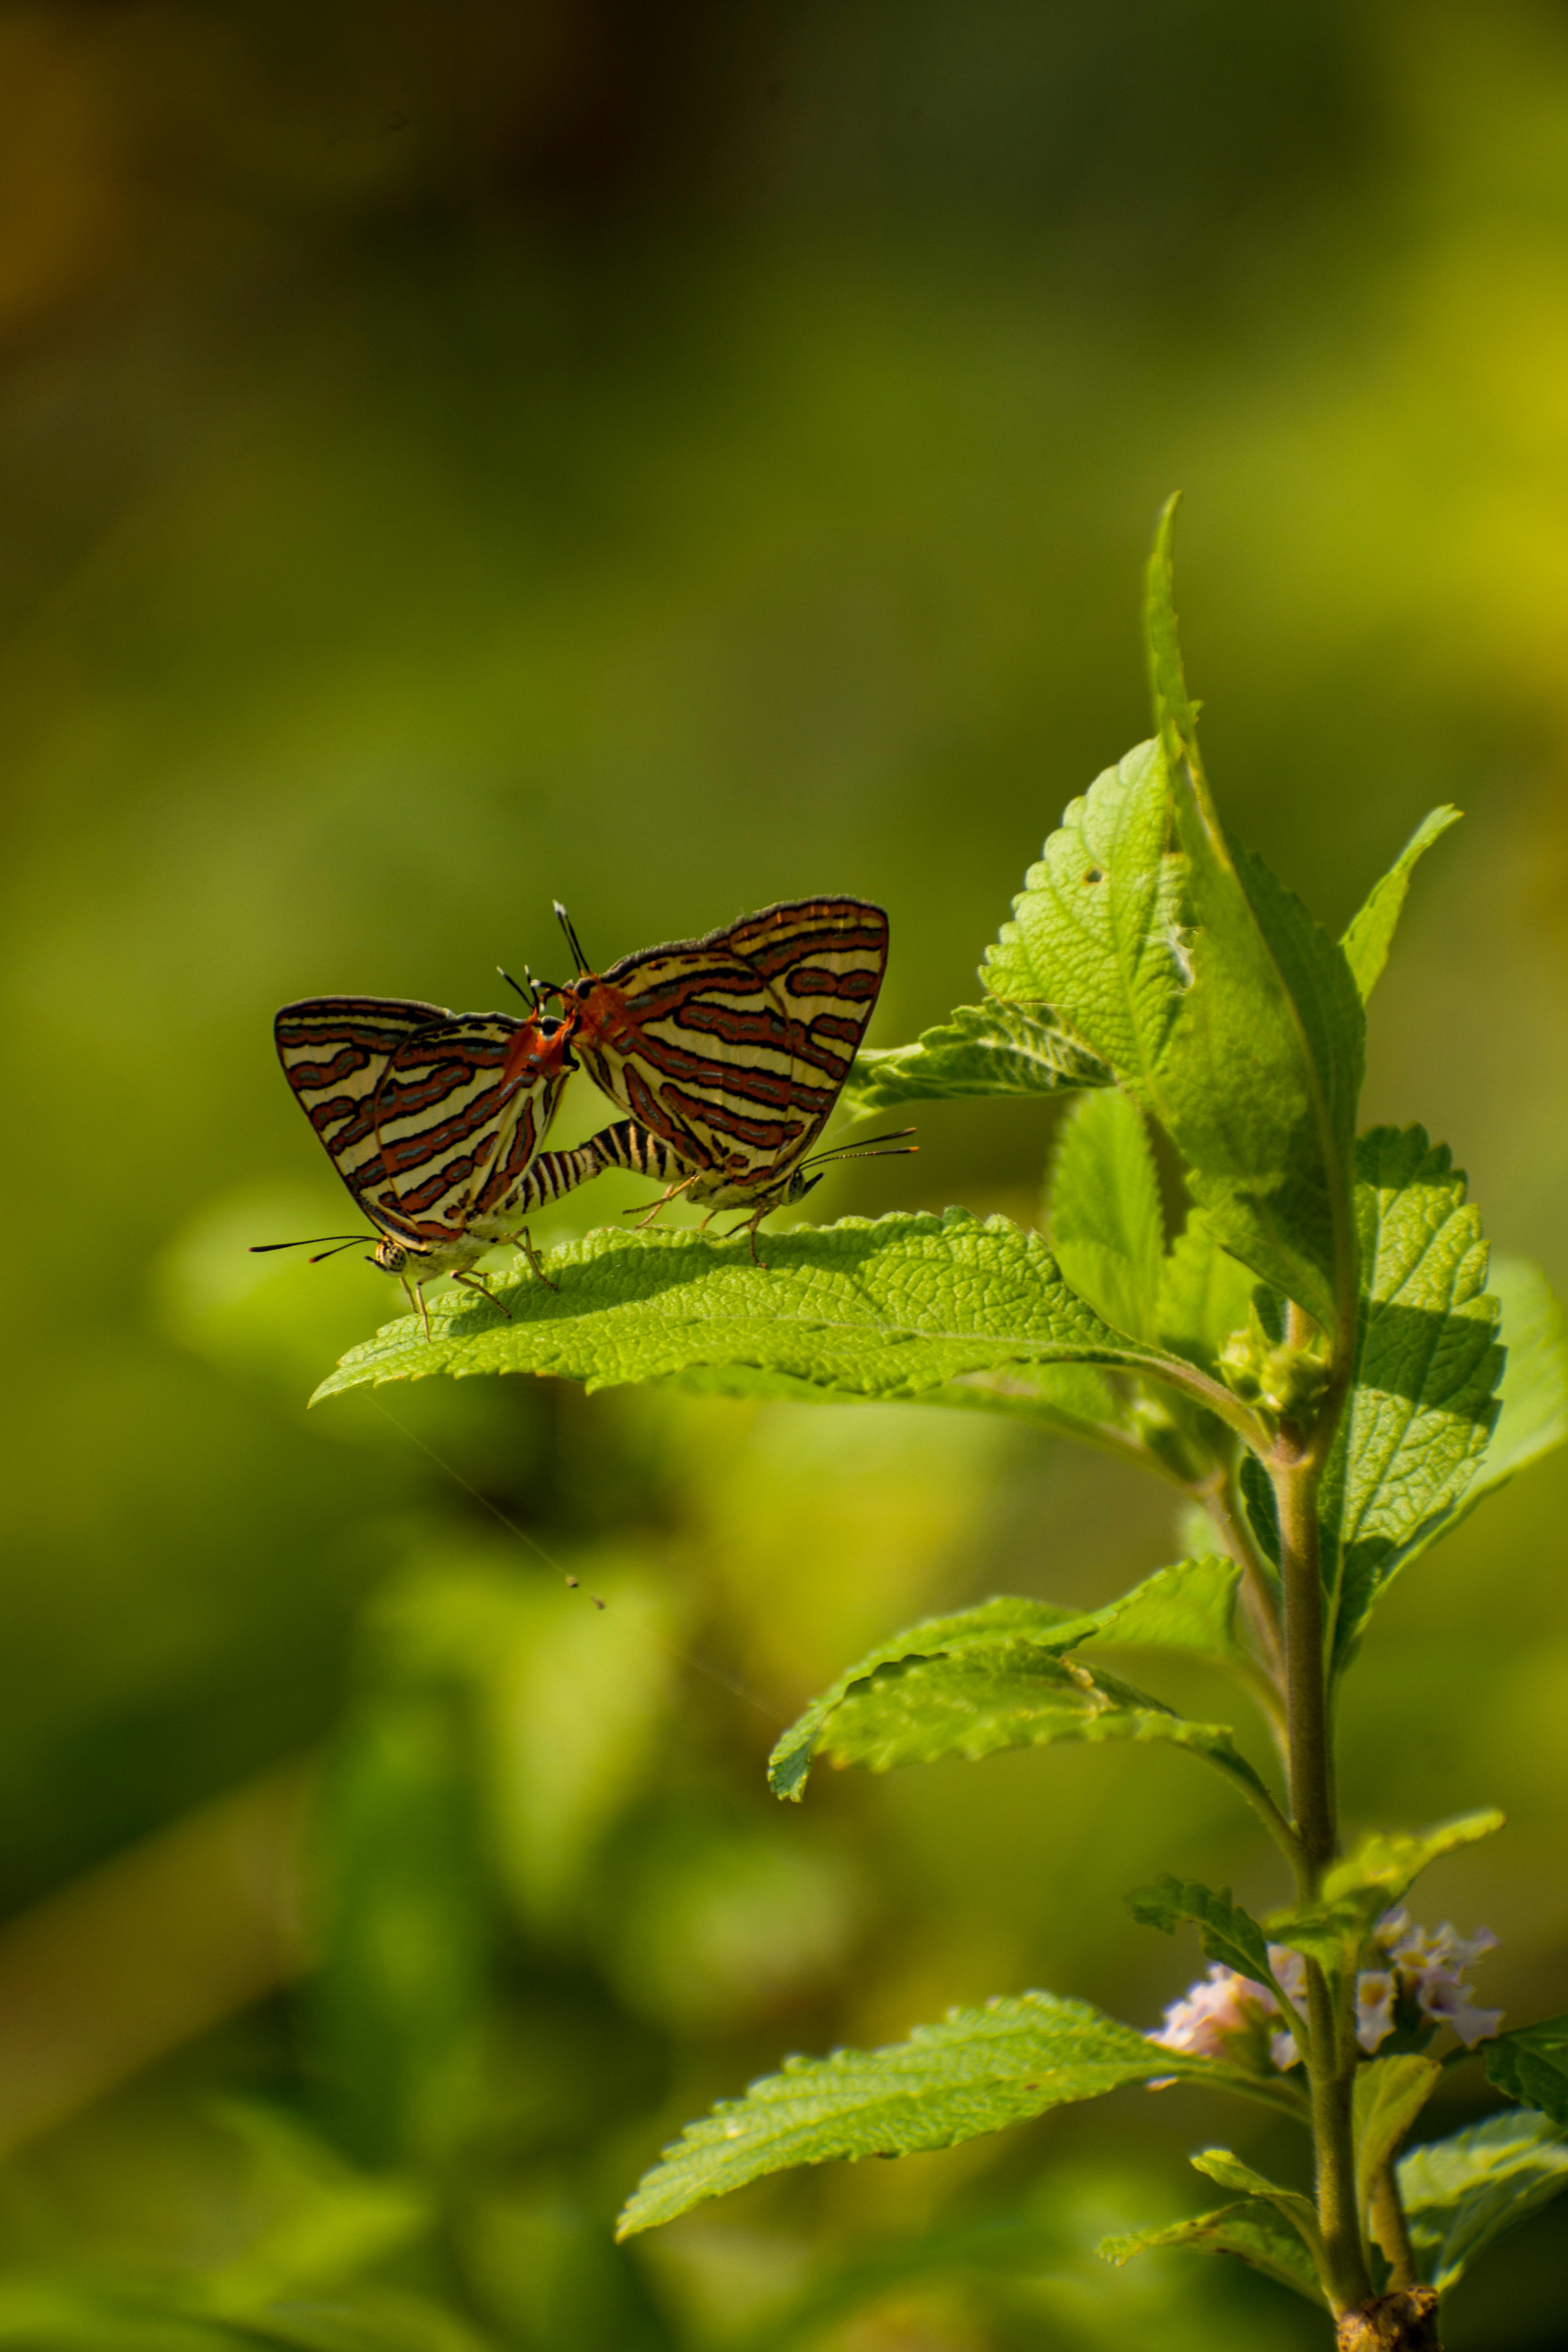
(675,458)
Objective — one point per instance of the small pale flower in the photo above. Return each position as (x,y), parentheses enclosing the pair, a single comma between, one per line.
(1445,2001)
(1282,2051)
(1290,1972)
(1222,2003)
(1376,1991)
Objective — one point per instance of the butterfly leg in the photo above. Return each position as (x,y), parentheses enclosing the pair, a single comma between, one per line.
(476,1282)
(525,1243)
(417,1300)
(662,1200)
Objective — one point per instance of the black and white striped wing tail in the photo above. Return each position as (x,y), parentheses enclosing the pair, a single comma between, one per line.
(413,1106)
(825,959)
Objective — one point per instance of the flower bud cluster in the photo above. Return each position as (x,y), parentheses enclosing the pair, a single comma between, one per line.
(1416,1986)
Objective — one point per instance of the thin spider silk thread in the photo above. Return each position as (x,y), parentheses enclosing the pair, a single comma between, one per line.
(684,1657)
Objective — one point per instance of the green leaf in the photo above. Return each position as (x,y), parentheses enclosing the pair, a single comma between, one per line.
(886,1309)
(1373,1878)
(993,1677)
(995,1048)
(1258,1080)
(1370,934)
(1531,2065)
(1532,1396)
(1421,1412)
(1253,2231)
(1388,2093)
(1227,1933)
(1460,2194)
(1227,2171)
(977,2071)
(1104,1214)
(1096,931)
(1189,1606)
(1203,1295)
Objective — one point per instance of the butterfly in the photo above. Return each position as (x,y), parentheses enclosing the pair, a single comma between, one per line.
(434,1122)
(730,1052)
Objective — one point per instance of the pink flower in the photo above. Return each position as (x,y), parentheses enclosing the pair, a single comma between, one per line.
(1222,2003)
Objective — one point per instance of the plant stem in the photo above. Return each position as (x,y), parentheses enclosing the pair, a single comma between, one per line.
(1296,1475)
(1297,1468)
(1390,2228)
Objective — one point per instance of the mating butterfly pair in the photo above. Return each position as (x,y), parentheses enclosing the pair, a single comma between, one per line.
(728,1052)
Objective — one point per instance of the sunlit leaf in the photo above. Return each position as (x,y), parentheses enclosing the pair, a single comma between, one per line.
(1258,1081)
(995,1048)
(1532,1395)
(1530,2063)
(977,2071)
(1421,1411)
(1370,934)
(889,1307)
(1461,2194)
(1103,1213)
(993,1677)
(1096,931)
(1203,1295)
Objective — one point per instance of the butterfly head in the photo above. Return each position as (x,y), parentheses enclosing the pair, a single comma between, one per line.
(391,1255)
(542,1048)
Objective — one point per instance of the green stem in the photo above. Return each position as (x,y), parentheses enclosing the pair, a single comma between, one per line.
(1390,2228)
(1297,1469)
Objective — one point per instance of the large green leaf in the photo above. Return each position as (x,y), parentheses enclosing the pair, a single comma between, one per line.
(1104,1212)
(1252,2230)
(889,1307)
(1530,2063)
(993,1677)
(1371,930)
(1096,932)
(1461,2194)
(977,2071)
(1428,1361)
(1227,1933)
(995,1048)
(1258,1078)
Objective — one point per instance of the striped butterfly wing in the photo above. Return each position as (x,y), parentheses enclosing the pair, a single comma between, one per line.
(416,1107)
(733,1049)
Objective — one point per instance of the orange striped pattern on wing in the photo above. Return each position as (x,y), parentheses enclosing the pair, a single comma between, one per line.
(732,1049)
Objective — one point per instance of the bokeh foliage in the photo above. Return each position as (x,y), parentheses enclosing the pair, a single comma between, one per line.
(673,460)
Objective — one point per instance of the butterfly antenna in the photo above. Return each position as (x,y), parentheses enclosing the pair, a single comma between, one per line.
(530,994)
(573,941)
(876,1146)
(342,1241)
